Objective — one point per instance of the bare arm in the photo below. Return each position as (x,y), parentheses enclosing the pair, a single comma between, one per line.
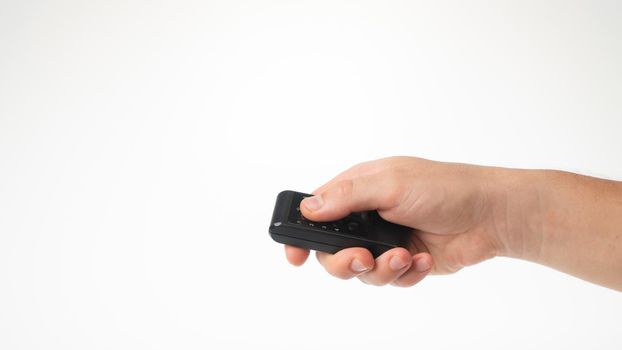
(463,214)
(570,222)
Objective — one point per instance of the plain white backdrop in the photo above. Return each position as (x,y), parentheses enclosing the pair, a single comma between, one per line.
(142,145)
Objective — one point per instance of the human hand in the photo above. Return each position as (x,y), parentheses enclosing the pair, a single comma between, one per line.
(447,205)
(463,214)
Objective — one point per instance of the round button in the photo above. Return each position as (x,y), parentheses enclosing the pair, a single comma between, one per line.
(353,226)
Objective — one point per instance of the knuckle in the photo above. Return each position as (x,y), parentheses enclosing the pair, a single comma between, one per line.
(364,168)
(344,188)
(394,180)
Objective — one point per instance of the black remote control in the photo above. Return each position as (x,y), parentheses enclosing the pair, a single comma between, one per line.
(362,229)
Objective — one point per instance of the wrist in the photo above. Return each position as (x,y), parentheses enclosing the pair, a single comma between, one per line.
(518,198)
(566,221)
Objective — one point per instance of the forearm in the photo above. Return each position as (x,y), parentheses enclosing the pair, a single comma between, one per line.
(569,222)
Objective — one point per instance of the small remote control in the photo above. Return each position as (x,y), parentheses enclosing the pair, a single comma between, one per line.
(362,229)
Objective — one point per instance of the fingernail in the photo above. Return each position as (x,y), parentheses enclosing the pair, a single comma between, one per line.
(358,266)
(313,203)
(422,265)
(397,263)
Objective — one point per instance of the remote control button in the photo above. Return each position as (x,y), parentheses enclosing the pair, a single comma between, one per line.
(353,226)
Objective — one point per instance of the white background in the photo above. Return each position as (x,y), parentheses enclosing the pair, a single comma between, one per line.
(142,145)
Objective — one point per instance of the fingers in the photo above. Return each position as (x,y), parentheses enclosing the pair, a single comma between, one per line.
(389,267)
(362,169)
(376,191)
(420,267)
(296,256)
(347,263)
(395,266)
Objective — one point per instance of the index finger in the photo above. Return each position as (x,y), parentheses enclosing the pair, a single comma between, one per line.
(358,170)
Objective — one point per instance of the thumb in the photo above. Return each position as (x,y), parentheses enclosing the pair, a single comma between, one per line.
(373,192)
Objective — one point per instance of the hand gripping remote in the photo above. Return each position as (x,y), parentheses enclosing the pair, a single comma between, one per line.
(362,229)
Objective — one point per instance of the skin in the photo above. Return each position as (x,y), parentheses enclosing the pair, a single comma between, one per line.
(463,214)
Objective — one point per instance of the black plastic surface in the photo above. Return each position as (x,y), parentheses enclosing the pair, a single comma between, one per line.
(363,229)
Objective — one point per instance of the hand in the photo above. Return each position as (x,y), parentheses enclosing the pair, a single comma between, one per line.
(447,205)
(463,214)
